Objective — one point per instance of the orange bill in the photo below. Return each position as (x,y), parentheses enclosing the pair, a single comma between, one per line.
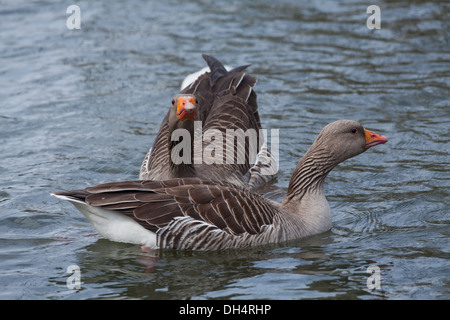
(186,108)
(373,139)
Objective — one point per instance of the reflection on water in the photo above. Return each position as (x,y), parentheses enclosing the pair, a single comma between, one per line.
(81,107)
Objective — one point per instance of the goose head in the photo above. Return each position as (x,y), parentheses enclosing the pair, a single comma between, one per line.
(344,139)
(184,107)
(337,142)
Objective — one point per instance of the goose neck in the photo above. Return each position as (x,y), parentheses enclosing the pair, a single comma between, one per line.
(309,174)
(181,147)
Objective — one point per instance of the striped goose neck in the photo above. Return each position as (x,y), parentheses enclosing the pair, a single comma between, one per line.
(181,153)
(310,173)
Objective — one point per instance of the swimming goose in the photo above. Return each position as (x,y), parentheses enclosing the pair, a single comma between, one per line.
(201,214)
(225,102)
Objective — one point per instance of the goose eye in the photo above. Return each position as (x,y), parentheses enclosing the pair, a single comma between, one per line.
(354,130)
(173,101)
(196,101)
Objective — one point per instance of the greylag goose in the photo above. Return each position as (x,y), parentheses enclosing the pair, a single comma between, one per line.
(201,214)
(225,102)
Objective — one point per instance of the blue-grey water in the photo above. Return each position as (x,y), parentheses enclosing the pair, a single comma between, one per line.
(82,107)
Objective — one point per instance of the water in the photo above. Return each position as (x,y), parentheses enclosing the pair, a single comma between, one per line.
(81,107)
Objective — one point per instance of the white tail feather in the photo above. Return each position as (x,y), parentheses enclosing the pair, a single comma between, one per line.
(114,225)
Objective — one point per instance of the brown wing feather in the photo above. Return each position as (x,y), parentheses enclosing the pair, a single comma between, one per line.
(157,213)
(157,203)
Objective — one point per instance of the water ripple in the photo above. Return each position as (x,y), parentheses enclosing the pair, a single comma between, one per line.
(82,107)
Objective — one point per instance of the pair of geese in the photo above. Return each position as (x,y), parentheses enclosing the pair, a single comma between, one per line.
(202,206)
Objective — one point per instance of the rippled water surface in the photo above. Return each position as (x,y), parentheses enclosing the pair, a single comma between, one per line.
(81,107)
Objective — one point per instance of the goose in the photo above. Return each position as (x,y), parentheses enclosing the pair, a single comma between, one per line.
(223,100)
(203,214)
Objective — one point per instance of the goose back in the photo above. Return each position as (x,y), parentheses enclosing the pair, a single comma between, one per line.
(226,101)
